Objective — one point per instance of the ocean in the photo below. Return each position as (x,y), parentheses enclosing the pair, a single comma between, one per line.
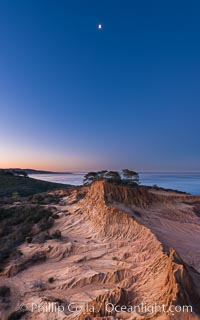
(187,182)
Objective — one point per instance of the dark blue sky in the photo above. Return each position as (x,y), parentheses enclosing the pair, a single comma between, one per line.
(73,97)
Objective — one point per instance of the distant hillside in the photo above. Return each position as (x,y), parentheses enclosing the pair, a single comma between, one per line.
(33,171)
(25,186)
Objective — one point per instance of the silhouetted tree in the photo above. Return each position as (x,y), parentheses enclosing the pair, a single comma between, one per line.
(113,176)
(103,175)
(131,176)
(90,177)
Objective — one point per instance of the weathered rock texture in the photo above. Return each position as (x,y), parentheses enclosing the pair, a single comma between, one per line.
(120,246)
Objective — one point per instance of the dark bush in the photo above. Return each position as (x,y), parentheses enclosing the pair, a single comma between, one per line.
(5,253)
(16,254)
(114,258)
(38,256)
(16,315)
(51,279)
(45,198)
(41,238)
(4,291)
(46,224)
(29,239)
(56,300)
(55,216)
(39,284)
(56,234)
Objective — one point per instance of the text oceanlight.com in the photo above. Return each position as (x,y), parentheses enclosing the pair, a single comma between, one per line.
(108,308)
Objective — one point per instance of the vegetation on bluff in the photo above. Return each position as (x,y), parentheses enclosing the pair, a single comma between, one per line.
(25,212)
(18,223)
(16,186)
(128,177)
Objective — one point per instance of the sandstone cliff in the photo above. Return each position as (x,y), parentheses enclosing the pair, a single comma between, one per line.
(121,248)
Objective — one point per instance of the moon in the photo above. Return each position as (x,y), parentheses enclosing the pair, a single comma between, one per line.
(100,26)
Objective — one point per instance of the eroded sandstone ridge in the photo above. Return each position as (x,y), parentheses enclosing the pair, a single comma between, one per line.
(124,253)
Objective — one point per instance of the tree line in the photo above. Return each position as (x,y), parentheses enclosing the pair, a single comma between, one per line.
(14,172)
(127,177)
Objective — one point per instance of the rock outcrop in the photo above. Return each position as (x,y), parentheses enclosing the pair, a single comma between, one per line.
(121,256)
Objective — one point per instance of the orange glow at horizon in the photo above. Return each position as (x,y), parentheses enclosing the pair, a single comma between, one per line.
(47,165)
(46,160)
